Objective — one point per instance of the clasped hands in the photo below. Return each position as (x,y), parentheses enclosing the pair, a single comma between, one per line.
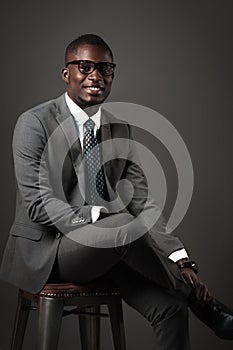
(200,289)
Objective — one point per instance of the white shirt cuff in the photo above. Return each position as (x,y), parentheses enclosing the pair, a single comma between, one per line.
(178,254)
(95,212)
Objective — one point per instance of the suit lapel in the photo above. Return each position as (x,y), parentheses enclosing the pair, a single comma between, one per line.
(69,128)
(106,151)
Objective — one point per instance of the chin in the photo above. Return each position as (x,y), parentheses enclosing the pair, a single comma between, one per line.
(95,101)
(90,101)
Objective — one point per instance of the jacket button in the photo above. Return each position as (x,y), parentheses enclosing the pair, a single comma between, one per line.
(58,235)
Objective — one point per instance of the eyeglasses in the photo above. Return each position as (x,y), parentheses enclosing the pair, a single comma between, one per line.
(87,67)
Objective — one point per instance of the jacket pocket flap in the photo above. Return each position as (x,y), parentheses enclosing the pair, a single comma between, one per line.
(26,232)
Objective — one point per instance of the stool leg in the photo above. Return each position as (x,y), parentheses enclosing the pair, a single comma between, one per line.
(50,317)
(21,318)
(117,323)
(89,327)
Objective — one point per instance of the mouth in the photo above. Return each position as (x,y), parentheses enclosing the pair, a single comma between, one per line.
(93,90)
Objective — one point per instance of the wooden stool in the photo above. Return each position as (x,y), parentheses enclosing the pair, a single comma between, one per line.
(87,299)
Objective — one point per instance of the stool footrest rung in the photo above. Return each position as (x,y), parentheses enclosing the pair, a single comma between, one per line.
(34,308)
(81,312)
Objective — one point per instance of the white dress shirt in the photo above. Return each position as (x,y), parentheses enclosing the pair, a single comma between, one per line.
(81,117)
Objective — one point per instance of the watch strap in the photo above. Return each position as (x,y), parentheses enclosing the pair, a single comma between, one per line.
(190,265)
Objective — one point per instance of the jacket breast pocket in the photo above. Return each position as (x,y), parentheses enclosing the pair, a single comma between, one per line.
(25,231)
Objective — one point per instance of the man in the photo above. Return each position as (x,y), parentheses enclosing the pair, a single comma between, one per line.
(69,215)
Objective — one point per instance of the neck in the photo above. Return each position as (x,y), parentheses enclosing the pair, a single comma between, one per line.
(91,110)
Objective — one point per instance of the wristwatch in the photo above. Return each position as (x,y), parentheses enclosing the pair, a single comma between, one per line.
(189,264)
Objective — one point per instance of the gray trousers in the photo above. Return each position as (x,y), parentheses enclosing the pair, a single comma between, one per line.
(136,270)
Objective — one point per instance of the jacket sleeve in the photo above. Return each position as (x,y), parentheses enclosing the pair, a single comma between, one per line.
(33,179)
(144,205)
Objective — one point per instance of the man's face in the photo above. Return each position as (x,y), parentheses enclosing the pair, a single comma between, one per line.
(87,89)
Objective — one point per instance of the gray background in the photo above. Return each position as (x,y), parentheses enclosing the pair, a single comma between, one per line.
(172,56)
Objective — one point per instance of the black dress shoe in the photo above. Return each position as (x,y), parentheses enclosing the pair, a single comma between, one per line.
(216,316)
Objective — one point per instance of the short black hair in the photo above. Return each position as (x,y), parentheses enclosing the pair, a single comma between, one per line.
(86,39)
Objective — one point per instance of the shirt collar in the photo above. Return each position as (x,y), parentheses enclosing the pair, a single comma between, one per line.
(78,113)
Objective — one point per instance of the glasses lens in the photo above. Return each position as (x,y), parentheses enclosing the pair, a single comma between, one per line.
(86,67)
(105,68)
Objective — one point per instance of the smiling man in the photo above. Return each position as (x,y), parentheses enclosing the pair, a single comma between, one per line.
(85,86)
(66,227)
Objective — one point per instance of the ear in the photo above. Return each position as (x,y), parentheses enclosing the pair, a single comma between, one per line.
(65,74)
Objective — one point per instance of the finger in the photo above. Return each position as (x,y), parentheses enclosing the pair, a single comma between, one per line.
(196,281)
(205,298)
(203,292)
(199,291)
(188,279)
(207,293)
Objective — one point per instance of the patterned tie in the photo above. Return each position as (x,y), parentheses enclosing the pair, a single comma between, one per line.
(95,179)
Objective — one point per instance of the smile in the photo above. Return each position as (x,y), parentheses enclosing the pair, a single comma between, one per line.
(93,89)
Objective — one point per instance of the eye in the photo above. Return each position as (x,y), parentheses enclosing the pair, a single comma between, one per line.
(85,67)
(106,69)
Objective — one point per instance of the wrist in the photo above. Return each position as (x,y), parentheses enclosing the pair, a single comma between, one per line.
(181,261)
(188,264)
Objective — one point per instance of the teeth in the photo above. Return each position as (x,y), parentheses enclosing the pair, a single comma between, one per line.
(93,88)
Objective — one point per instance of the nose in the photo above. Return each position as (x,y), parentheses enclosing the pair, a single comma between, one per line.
(95,75)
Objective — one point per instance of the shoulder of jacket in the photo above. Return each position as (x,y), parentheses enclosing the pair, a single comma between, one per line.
(42,107)
(40,112)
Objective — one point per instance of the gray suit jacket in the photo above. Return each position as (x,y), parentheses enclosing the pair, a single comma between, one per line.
(49,202)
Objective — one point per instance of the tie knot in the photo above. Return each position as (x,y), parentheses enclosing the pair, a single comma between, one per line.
(89,124)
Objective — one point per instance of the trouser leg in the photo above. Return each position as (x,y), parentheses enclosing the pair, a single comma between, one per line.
(80,263)
(166,313)
(142,277)
(164,309)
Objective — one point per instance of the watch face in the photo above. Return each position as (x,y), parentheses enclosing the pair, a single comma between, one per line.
(194,266)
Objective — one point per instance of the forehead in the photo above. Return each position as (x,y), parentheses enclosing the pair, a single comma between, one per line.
(94,53)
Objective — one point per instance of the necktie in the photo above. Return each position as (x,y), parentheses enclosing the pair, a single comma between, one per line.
(95,180)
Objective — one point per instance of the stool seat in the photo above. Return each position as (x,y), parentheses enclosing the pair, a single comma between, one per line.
(69,290)
(87,300)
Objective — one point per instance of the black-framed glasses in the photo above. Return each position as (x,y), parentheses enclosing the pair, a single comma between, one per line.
(87,67)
